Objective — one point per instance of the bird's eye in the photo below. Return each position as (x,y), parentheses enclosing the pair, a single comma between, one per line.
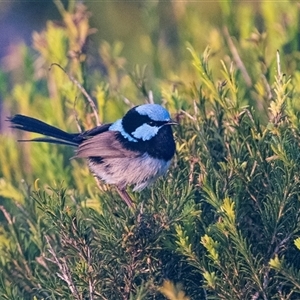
(151,123)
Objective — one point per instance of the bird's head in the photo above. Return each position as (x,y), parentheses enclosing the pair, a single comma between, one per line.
(143,122)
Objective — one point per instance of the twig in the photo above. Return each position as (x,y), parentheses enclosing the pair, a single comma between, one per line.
(6,215)
(83,91)
(281,244)
(11,223)
(76,116)
(267,271)
(91,287)
(267,85)
(236,57)
(64,274)
(128,102)
(188,115)
(205,293)
(150,97)
(279,74)
(255,296)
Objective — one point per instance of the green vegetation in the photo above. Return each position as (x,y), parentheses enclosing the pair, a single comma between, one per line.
(224,222)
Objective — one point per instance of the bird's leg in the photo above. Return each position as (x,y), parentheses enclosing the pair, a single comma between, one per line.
(121,191)
(124,195)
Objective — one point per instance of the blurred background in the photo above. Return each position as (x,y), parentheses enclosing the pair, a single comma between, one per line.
(137,24)
(116,39)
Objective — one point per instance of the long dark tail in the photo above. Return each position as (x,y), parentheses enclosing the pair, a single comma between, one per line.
(53,134)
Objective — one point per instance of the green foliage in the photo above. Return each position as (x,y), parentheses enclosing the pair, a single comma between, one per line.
(223,223)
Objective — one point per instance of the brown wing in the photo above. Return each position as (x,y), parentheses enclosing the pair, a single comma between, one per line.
(104,145)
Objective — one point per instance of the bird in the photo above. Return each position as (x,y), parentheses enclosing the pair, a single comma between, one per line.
(133,151)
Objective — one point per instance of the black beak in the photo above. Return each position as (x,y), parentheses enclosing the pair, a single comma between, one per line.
(172,122)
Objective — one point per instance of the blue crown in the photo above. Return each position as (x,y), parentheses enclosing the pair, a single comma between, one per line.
(154,111)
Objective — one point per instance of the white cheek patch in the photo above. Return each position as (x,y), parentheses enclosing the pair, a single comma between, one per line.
(117,126)
(145,132)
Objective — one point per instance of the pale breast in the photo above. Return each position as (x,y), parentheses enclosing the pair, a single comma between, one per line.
(140,171)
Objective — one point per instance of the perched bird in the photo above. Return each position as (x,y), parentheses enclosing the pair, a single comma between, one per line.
(134,150)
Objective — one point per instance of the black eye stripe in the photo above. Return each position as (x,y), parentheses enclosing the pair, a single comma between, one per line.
(132,120)
(156,123)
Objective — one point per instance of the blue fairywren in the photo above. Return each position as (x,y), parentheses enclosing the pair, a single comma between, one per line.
(134,150)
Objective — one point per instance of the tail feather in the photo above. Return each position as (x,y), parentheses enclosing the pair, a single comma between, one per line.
(55,135)
(51,141)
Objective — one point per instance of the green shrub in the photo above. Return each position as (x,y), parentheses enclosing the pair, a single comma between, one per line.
(223,223)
